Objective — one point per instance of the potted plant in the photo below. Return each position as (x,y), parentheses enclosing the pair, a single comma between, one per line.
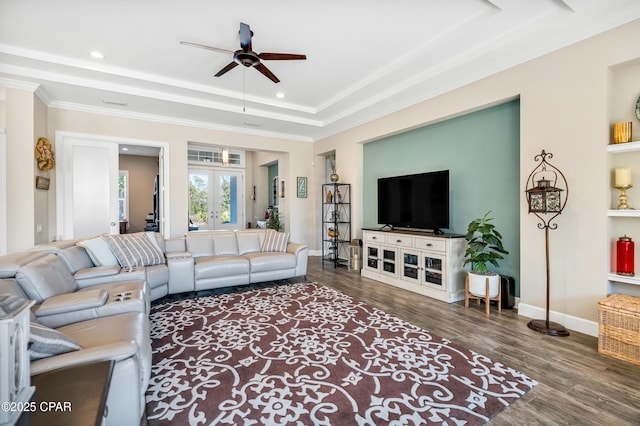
(273,222)
(484,247)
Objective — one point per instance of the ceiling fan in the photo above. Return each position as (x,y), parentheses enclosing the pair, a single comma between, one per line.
(247,57)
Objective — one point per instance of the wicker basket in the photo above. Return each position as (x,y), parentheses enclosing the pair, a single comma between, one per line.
(619,327)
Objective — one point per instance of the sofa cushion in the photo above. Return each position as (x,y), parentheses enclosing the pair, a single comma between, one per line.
(76,258)
(157,275)
(225,244)
(48,276)
(199,243)
(10,263)
(271,261)
(248,242)
(45,342)
(275,241)
(220,266)
(99,251)
(133,250)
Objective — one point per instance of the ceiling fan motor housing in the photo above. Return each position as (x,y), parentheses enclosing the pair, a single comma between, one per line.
(248,59)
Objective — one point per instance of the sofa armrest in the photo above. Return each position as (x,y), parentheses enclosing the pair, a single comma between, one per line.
(295,248)
(301,251)
(177,254)
(70,302)
(112,351)
(97,272)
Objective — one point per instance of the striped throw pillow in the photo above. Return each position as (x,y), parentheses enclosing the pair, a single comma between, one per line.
(275,241)
(133,250)
(45,342)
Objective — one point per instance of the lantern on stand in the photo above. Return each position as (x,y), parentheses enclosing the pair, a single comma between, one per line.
(545,187)
(624,256)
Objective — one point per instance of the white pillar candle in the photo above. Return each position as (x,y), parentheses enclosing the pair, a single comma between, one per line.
(623,176)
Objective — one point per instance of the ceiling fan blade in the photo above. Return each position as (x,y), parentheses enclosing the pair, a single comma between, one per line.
(229,67)
(245,37)
(202,46)
(264,70)
(280,56)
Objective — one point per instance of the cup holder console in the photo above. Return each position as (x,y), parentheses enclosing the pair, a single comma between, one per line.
(123,296)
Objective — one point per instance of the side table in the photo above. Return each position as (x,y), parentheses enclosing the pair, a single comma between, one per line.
(70,396)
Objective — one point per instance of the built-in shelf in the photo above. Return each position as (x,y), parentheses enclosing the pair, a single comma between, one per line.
(624,279)
(623,213)
(623,147)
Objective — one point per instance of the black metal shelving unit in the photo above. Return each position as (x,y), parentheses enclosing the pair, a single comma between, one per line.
(336,223)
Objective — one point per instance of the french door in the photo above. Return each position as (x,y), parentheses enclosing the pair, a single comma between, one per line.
(216,198)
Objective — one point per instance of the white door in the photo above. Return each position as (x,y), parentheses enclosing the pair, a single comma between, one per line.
(216,198)
(88,200)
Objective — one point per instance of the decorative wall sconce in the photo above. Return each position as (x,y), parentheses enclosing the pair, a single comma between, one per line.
(253,194)
(622,183)
(544,190)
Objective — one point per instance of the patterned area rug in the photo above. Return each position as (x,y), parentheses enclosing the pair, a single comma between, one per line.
(307,354)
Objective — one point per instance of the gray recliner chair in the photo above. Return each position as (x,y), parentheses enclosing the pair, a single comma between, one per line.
(123,338)
(48,281)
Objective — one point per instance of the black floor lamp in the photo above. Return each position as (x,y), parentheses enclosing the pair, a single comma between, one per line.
(544,189)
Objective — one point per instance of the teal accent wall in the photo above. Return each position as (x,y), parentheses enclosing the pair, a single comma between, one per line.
(481,150)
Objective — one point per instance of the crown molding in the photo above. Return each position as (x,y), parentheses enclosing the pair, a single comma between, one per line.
(174,121)
(27,86)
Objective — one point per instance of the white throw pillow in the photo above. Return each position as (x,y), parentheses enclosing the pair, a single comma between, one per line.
(99,251)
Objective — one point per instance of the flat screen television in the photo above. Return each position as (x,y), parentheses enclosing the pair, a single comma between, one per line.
(419,201)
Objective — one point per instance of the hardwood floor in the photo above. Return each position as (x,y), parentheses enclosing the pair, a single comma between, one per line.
(577,385)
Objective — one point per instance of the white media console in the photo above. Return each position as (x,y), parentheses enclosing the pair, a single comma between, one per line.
(416,261)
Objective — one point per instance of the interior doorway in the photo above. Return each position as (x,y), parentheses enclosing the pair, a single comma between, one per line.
(87,178)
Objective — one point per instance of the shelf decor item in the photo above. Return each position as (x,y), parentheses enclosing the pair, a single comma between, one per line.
(544,190)
(624,256)
(622,132)
(622,183)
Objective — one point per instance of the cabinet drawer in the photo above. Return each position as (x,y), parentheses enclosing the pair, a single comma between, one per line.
(431,244)
(400,240)
(374,237)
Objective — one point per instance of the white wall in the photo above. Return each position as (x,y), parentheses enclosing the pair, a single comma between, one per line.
(564,109)
(20,168)
(178,137)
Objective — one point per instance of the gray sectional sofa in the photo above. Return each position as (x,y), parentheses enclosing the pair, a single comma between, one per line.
(82,286)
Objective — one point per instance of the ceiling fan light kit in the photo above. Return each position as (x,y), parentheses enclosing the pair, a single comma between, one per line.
(247,57)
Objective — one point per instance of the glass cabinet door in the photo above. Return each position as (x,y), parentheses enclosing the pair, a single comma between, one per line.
(372,258)
(432,266)
(410,266)
(389,261)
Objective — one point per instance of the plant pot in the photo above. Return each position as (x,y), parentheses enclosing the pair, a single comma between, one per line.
(478,284)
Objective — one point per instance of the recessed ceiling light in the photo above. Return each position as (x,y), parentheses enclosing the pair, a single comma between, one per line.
(280,95)
(97,55)
(124,148)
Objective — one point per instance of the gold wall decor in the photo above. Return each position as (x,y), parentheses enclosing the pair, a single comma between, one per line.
(44,155)
(622,132)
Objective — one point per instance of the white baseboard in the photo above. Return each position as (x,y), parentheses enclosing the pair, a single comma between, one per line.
(580,325)
(315,252)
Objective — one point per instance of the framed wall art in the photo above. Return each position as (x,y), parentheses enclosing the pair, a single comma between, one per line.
(302,187)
